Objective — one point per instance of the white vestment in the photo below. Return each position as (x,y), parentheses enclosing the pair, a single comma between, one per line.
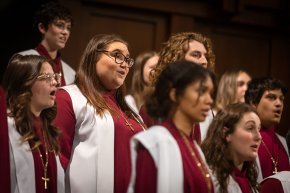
(22,170)
(91,166)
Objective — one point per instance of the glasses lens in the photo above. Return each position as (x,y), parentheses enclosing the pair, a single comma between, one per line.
(57,77)
(131,62)
(119,58)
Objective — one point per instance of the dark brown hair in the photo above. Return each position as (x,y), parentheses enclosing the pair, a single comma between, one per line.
(20,75)
(87,79)
(216,149)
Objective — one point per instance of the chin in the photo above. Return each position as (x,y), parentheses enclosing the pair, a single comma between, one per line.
(252,157)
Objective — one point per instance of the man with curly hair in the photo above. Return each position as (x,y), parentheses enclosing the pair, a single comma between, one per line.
(191,46)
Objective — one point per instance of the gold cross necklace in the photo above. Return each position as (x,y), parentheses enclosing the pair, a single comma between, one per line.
(130,124)
(199,162)
(275,162)
(44,164)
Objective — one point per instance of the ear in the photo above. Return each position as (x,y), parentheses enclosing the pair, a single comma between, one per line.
(172,94)
(41,28)
(226,135)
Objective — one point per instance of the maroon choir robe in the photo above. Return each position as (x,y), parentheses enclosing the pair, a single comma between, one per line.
(241,178)
(146,172)
(51,168)
(4,145)
(271,185)
(277,151)
(66,120)
(38,165)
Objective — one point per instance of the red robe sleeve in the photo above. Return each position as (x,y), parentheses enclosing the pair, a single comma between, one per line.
(271,185)
(4,146)
(146,172)
(65,120)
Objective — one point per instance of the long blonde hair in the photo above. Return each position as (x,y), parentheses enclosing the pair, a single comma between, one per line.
(227,89)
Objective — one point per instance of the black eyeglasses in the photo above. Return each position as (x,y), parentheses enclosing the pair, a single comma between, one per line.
(119,57)
(50,77)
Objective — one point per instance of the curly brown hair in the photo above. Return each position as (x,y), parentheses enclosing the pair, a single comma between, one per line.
(176,48)
(20,75)
(216,150)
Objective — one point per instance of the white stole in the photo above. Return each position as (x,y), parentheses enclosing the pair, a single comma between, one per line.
(167,158)
(91,167)
(22,164)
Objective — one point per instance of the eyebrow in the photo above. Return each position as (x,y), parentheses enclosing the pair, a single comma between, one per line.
(120,51)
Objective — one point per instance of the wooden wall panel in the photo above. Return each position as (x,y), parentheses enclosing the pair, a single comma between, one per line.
(247,36)
(235,51)
(142,31)
(280,68)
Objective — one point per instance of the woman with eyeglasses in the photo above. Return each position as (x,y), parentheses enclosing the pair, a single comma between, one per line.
(53,21)
(95,120)
(30,84)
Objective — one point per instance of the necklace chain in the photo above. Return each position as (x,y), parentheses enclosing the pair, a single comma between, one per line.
(200,163)
(275,163)
(130,124)
(44,164)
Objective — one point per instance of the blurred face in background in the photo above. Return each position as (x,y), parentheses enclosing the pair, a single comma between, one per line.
(270,107)
(57,34)
(196,101)
(242,86)
(196,53)
(149,69)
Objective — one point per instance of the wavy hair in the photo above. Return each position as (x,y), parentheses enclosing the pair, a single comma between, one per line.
(20,75)
(51,11)
(176,48)
(179,75)
(216,149)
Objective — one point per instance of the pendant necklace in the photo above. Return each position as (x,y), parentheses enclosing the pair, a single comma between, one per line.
(275,162)
(200,163)
(130,124)
(44,163)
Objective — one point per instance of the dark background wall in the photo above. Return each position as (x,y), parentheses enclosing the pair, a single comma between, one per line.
(248,34)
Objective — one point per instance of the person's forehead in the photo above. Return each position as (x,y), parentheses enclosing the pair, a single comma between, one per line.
(196,45)
(62,20)
(277,92)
